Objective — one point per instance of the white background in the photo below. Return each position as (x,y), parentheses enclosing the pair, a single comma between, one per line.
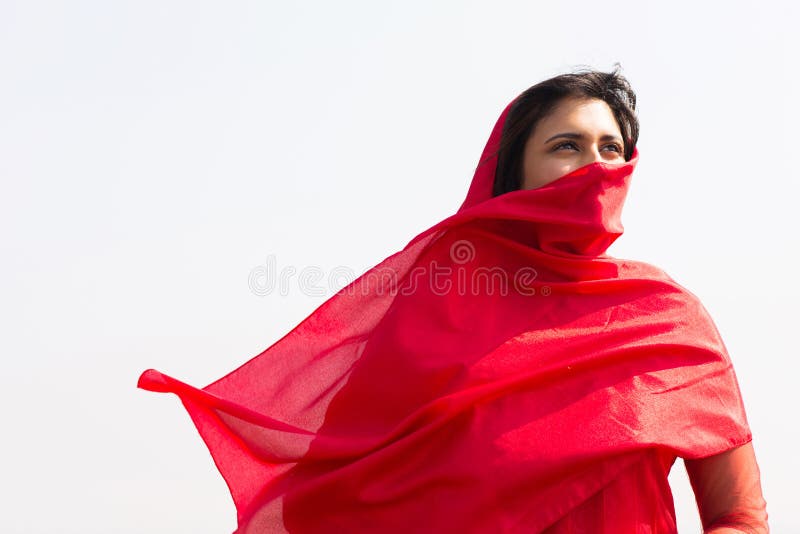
(153,153)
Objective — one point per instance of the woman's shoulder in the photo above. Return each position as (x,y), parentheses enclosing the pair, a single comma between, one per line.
(653,281)
(641,270)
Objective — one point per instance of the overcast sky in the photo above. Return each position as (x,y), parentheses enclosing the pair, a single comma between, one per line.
(154,153)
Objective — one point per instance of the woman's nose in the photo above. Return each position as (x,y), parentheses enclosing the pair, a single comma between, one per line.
(592,155)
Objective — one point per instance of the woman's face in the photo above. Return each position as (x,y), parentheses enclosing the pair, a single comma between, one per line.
(579,131)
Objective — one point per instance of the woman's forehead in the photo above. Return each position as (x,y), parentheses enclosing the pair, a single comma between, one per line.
(578,117)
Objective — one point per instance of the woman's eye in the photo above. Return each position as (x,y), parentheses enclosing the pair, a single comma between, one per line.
(567,143)
(614,146)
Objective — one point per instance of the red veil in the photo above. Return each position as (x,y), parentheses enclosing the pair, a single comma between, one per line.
(501,373)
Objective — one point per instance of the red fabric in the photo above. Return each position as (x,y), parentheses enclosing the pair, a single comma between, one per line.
(553,392)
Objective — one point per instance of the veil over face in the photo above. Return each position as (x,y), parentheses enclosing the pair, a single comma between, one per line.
(500,373)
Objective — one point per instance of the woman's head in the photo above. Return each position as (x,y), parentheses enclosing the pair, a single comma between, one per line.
(596,111)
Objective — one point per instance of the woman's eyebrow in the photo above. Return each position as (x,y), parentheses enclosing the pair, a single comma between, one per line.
(572,135)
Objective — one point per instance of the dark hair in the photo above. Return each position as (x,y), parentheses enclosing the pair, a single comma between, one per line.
(540,100)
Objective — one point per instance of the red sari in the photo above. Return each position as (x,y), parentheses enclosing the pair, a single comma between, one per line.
(501,373)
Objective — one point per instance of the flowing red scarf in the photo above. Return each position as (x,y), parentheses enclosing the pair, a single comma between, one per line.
(501,373)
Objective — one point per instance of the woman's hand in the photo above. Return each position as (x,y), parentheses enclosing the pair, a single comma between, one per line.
(727,488)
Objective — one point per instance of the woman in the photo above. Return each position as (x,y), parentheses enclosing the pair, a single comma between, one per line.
(501,373)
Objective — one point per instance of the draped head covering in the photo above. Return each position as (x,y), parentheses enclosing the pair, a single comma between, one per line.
(500,373)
